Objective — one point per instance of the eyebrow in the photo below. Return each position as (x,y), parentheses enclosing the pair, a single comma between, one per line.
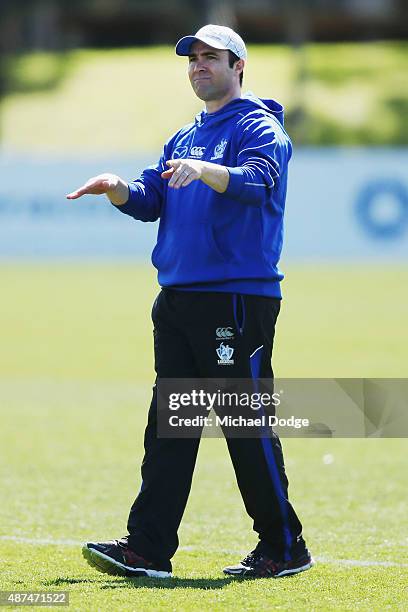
(205,53)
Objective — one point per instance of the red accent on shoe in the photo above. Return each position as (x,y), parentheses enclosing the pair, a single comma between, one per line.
(132,559)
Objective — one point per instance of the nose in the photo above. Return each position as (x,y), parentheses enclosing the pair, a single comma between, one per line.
(199,65)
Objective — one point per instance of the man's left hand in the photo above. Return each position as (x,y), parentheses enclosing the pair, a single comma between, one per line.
(182,172)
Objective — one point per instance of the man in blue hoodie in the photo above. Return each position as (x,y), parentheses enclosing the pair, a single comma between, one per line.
(219,191)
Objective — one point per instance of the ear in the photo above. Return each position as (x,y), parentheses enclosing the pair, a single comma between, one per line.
(239,65)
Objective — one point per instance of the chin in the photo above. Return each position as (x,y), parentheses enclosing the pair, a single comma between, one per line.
(206,97)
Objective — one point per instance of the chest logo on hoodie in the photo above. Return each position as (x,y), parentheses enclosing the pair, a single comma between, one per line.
(219,149)
(180,152)
(197,151)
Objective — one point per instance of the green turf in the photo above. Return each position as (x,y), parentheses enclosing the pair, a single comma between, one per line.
(76,372)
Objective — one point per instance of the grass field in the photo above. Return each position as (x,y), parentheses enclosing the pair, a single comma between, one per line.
(76,374)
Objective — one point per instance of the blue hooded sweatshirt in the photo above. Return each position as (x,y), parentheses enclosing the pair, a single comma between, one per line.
(231,241)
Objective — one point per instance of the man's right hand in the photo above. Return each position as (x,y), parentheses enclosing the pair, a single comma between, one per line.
(113,186)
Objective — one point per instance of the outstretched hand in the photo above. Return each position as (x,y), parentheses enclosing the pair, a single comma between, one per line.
(182,172)
(97,185)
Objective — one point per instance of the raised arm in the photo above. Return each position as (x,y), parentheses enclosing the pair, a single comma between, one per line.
(182,172)
(263,154)
(112,185)
(141,199)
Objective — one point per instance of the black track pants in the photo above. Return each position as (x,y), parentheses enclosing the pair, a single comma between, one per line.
(188,328)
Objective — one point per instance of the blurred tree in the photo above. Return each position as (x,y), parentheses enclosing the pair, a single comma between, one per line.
(222,13)
(8,43)
(28,25)
(298,33)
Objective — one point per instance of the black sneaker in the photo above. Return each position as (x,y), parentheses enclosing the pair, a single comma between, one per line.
(258,565)
(116,558)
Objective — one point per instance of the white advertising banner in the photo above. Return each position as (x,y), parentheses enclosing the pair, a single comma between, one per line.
(341,204)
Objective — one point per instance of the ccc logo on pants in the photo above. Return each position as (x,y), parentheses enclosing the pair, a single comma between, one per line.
(224,332)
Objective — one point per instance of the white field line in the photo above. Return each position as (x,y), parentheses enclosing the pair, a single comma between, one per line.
(65,542)
(40,541)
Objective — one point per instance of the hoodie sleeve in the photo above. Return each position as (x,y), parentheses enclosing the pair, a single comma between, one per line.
(263,155)
(146,193)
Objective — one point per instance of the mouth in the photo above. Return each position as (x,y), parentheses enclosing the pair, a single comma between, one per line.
(201,79)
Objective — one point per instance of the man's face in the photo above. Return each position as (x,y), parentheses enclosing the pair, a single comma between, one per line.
(209,72)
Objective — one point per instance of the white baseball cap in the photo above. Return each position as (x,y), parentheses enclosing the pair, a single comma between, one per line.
(216,36)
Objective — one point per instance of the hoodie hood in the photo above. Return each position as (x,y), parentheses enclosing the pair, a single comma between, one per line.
(247,103)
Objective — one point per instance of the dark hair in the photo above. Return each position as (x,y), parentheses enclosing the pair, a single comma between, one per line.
(232,59)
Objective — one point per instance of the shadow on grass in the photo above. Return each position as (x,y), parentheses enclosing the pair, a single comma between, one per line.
(63,581)
(152,583)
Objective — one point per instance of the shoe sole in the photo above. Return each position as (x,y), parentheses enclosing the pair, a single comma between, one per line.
(107,565)
(287,572)
(296,570)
